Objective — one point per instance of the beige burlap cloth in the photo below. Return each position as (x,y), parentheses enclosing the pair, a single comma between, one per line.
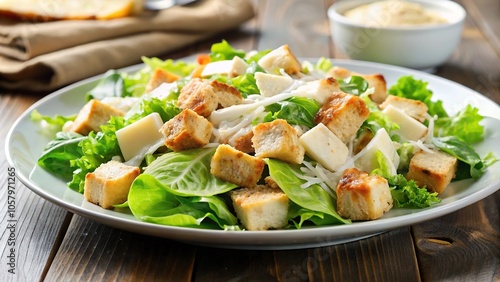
(46,56)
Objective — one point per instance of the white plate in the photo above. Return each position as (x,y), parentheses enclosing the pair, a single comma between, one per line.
(25,143)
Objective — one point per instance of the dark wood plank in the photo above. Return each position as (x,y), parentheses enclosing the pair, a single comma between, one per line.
(462,246)
(474,63)
(234,265)
(485,14)
(386,257)
(37,222)
(379,258)
(94,252)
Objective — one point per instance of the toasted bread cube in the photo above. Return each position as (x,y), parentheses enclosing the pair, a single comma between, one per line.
(434,170)
(361,196)
(198,96)
(187,130)
(158,77)
(414,108)
(244,143)
(279,140)
(226,95)
(236,167)
(109,184)
(92,116)
(377,81)
(280,58)
(261,207)
(343,114)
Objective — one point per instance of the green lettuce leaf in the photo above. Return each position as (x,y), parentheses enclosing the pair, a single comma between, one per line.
(355,85)
(313,198)
(466,154)
(224,51)
(97,148)
(187,173)
(51,125)
(295,110)
(59,152)
(110,85)
(406,193)
(464,125)
(377,119)
(409,87)
(149,200)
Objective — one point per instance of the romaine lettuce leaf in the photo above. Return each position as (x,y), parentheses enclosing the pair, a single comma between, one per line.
(149,200)
(313,198)
(295,110)
(355,85)
(110,85)
(187,173)
(465,153)
(59,152)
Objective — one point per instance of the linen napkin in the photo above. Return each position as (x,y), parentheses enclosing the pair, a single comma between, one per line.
(46,56)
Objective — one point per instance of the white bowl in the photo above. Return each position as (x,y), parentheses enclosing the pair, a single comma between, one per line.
(417,47)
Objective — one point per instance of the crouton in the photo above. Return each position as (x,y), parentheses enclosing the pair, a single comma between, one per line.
(261,207)
(109,184)
(236,167)
(158,77)
(364,137)
(198,96)
(244,143)
(434,170)
(414,108)
(92,116)
(361,196)
(343,114)
(187,130)
(377,81)
(279,140)
(280,58)
(226,95)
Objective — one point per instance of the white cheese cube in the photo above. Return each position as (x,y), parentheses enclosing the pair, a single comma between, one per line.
(231,68)
(319,90)
(324,146)
(409,128)
(270,84)
(140,135)
(366,158)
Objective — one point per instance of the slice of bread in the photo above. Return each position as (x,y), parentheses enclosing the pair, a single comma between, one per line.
(50,10)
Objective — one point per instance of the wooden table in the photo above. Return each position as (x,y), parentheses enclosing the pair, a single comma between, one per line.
(56,245)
